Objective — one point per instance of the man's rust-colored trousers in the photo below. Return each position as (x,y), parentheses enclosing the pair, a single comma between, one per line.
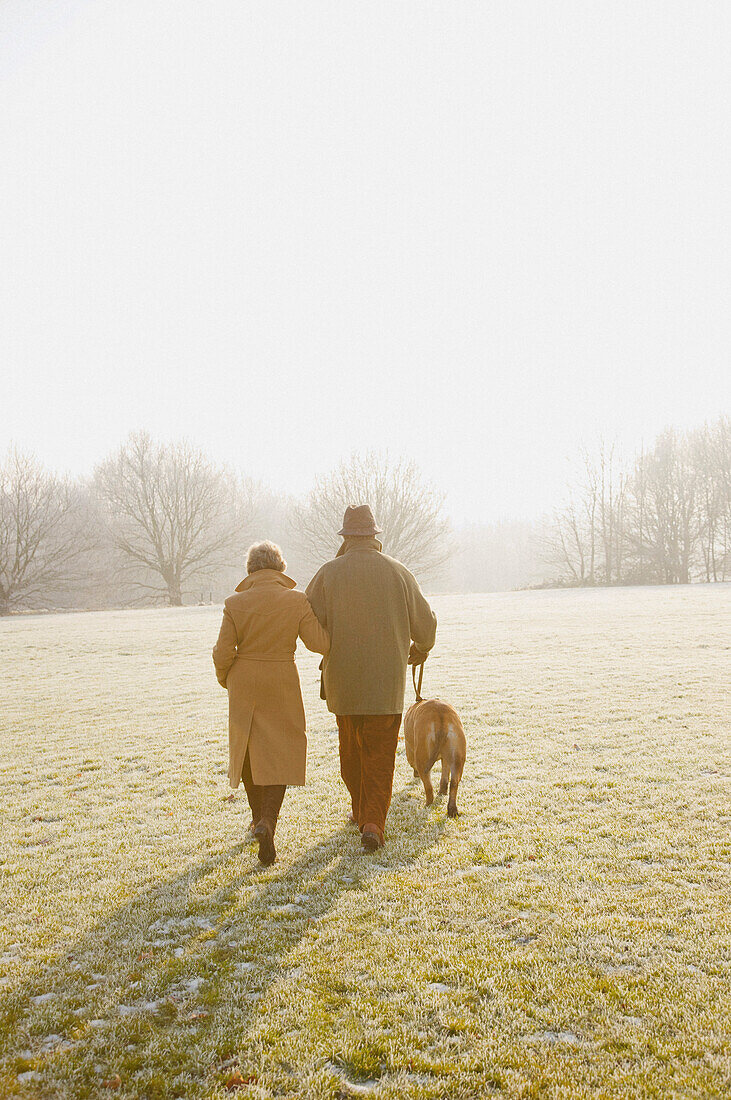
(368,744)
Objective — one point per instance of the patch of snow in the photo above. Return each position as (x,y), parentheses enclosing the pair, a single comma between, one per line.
(177,926)
(553,1037)
(143,1006)
(43,998)
(360,1088)
(194,984)
(288,910)
(356,1088)
(56,1043)
(28,1076)
(438,987)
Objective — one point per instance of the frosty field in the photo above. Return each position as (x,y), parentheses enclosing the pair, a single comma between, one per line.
(569,935)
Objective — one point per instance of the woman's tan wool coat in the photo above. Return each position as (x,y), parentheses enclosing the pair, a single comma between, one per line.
(254,659)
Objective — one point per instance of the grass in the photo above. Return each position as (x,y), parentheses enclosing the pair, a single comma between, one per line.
(566,936)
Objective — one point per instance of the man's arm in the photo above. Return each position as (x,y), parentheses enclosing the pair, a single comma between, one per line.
(422,621)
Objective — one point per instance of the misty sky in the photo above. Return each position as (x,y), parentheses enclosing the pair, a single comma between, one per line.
(475,233)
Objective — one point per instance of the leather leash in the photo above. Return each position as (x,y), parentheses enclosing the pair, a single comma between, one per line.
(417,687)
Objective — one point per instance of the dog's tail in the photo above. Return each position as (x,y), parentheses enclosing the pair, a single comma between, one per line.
(436,739)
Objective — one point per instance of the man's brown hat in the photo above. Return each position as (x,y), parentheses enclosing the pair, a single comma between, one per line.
(359,522)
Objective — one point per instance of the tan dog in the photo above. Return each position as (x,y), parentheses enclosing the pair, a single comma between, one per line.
(433,731)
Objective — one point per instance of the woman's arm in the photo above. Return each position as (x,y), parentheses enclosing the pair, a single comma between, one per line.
(315,593)
(312,633)
(224,651)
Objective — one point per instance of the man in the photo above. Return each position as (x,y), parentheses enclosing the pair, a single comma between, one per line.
(372,608)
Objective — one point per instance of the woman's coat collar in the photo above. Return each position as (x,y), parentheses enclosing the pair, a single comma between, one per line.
(264,576)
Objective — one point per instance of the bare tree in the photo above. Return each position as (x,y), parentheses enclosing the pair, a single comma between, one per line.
(39,538)
(570,543)
(409,510)
(171,515)
(672,508)
(721,458)
(256,513)
(638,568)
(588,495)
(611,499)
(565,546)
(711,457)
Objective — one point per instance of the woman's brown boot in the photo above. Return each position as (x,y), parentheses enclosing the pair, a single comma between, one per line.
(265,836)
(271,803)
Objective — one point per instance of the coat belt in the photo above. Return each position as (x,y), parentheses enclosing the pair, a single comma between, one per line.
(268,660)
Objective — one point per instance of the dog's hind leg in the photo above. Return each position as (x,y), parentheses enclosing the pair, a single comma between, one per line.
(428,789)
(444,782)
(426,756)
(457,768)
(452,804)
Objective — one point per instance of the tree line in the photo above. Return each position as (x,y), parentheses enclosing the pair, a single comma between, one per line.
(664,517)
(162,523)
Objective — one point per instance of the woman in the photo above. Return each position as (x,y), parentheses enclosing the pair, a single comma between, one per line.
(254,659)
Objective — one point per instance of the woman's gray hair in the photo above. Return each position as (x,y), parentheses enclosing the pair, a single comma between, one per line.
(265,555)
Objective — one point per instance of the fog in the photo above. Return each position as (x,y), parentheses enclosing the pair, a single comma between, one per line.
(464,248)
(474,235)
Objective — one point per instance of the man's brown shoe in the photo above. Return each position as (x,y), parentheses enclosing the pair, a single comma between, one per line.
(370,838)
(267,851)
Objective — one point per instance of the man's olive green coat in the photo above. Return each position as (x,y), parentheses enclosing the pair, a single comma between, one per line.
(372,608)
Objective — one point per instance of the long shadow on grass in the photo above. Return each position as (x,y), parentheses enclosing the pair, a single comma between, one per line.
(170,969)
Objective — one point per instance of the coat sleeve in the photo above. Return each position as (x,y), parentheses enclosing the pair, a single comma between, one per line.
(315,637)
(422,620)
(224,651)
(315,593)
